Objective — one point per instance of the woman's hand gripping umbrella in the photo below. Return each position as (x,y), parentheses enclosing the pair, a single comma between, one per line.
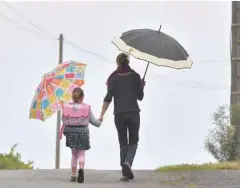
(56,87)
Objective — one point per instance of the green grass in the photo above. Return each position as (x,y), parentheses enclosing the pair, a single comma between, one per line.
(206,166)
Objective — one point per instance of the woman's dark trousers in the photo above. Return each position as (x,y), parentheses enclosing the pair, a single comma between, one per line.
(128,122)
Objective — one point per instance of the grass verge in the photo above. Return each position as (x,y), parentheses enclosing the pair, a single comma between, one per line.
(205,166)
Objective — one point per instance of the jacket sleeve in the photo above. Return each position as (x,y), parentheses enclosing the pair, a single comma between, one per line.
(110,90)
(141,89)
(93,120)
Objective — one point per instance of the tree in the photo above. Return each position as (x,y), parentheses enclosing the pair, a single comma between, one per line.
(12,161)
(222,141)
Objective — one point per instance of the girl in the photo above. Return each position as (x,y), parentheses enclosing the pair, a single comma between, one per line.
(76,117)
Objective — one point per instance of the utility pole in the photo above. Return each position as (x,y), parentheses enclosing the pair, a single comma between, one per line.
(57,154)
(235,73)
(235,54)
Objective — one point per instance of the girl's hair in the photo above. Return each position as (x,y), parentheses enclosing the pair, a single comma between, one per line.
(77,94)
(122,60)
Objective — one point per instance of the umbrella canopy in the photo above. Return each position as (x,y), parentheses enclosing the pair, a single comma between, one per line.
(154,47)
(56,87)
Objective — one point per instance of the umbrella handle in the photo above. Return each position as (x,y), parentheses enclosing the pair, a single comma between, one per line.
(143,79)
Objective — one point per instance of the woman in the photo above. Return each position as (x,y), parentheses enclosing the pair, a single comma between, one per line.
(126,87)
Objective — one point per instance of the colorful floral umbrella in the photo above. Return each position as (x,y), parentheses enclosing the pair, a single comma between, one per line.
(56,87)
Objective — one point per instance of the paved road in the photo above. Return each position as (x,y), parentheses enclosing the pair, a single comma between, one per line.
(109,179)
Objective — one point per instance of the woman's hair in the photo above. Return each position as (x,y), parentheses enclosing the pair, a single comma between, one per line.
(77,94)
(122,60)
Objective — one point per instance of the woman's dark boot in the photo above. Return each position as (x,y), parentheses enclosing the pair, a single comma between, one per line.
(127,172)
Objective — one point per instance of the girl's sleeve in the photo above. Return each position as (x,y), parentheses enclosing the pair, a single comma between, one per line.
(93,120)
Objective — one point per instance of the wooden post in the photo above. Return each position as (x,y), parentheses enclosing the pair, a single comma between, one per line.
(57,154)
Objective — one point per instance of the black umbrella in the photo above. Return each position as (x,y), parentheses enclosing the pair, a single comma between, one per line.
(154,47)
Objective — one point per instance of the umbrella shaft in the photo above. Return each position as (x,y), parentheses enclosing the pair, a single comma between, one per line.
(145,71)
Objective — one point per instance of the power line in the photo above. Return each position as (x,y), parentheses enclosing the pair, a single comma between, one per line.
(210,61)
(53,37)
(20,27)
(30,22)
(71,43)
(88,51)
(196,85)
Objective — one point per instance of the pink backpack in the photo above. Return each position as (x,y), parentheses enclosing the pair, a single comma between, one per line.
(75,114)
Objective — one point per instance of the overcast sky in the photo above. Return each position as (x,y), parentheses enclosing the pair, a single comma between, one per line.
(178,105)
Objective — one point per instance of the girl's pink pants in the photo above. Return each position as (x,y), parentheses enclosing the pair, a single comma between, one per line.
(77,155)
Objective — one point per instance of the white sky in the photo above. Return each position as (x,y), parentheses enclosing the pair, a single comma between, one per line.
(178,105)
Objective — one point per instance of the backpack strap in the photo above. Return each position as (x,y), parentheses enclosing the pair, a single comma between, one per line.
(61,132)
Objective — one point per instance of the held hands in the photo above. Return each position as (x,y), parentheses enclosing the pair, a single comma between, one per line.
(104,108)
(100,118)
